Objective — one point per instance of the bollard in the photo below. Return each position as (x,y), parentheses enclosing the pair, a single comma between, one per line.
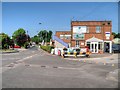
(84,61)
(113,65)
(62,55)
(68,53)
(104,63)
(96,62)
(75,54)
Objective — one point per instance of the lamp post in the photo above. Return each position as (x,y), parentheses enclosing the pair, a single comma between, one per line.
(38,31)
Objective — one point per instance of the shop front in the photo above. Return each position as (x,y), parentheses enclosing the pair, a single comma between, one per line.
(95,45)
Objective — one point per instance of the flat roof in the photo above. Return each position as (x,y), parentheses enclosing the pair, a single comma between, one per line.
(63,31)
(92,21)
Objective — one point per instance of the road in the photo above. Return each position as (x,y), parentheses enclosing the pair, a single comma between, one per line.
(35,68)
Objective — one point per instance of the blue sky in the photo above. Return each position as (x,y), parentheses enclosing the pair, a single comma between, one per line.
(54,16)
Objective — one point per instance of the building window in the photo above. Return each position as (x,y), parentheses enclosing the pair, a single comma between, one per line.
(88,44)
(67,36)
(87,31)
(100,45)
(98,29)
(61,36)
(77,43)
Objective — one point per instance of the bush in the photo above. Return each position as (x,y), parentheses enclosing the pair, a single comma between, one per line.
(0,46)
(25,45)
(47,48)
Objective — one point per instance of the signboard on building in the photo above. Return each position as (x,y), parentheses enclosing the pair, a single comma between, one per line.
(78,32)
(107,34)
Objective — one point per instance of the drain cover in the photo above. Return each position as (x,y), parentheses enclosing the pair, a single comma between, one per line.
(27,65)
(43,66)
(11,65)
(55,67)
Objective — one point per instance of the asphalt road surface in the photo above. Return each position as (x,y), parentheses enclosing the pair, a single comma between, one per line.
(34,68)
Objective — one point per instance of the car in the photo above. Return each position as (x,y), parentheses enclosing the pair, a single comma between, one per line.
(17,46)
(116,48)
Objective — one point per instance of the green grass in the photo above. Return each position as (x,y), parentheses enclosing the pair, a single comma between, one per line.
(7,50)
(47,48)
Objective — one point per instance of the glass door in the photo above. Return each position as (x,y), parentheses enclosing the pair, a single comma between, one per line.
(77,44)
(94,47)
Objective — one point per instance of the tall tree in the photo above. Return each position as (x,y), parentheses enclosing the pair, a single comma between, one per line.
(35,39)
(116,35)
(45,35)
(50,35)
(20,37)
(4,41)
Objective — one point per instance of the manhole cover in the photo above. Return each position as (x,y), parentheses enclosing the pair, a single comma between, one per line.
(27,65)
(11,65)
(55,67)
(43,66)
(111,59)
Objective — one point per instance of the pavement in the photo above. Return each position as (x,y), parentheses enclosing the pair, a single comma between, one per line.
(35,68)
(106,59)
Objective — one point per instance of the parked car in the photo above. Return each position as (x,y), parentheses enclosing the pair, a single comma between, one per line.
(116,48)
(17,46)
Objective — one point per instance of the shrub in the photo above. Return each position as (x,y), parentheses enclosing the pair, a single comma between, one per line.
(47,48)
(0,46)
(25,45)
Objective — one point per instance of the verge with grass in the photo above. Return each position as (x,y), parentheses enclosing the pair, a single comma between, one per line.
(8,51)
(47,48)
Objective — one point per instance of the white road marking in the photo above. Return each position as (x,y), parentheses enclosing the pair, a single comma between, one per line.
(15,64)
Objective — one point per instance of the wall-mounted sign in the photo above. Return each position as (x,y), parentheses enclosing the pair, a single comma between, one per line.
(78,36)
(107,34)
(82,43)
(78,32)
(79,29)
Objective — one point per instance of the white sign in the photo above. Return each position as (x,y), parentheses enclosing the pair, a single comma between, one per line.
(79,29)
(107,34)
(82,43)
(78,32)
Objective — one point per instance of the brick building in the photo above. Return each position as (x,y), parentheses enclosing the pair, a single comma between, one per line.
(97,35)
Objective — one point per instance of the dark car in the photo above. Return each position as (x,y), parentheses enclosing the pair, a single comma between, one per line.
(116,48)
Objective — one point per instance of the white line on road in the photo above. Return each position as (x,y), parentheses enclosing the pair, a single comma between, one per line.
(13,65)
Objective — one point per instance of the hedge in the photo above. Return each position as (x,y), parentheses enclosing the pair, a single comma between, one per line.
(47,48)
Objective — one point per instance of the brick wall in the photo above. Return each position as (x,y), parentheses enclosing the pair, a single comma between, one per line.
(106,26)
(58,33)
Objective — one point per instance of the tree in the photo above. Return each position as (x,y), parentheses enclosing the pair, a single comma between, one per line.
(116,35)
(45,35)
(35,39)
(4,41)
(50,35)
(20,37)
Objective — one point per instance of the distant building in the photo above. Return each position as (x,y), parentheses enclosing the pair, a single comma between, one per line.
(97,35)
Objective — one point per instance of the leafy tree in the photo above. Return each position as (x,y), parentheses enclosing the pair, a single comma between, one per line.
(45,35)
(4,41)
(116,35)
(20,37)
(49,35)
(35,39)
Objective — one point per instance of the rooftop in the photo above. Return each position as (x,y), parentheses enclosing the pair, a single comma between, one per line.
(92,21)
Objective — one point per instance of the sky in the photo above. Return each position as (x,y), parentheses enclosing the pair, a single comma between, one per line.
(55,16)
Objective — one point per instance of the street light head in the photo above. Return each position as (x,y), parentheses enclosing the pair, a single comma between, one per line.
(40,23)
